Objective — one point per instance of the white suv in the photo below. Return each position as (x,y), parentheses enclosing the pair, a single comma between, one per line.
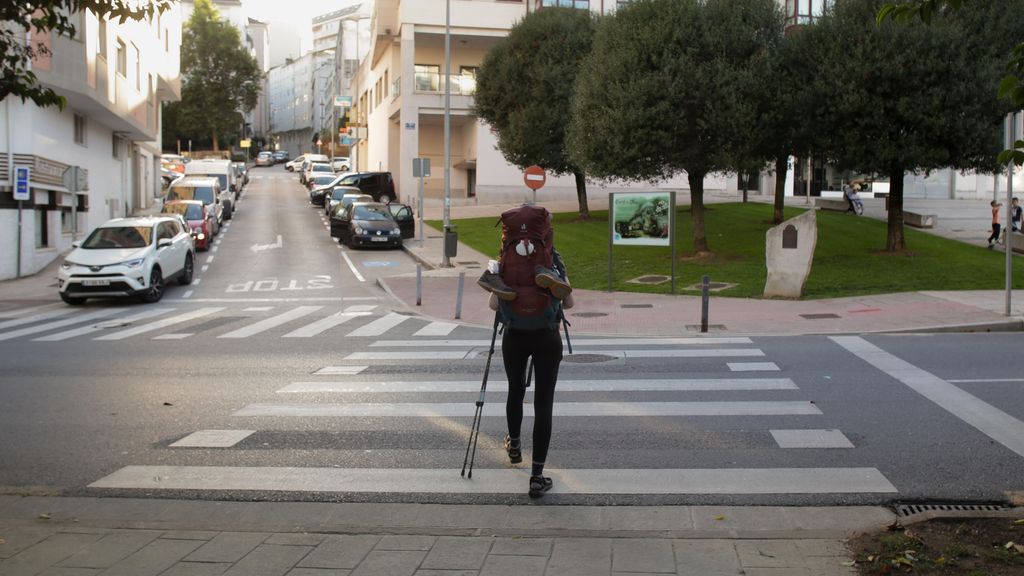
(128,257)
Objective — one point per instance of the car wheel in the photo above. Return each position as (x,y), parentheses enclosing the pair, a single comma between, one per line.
(156,286)
(228,210)
(71,300)
(188,271)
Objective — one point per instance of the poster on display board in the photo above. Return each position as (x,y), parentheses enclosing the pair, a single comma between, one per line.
(642,219)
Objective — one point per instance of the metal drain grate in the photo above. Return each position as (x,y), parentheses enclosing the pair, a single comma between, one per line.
(819,316)
(637,305)
(588,315)
(696,327)
(904,510)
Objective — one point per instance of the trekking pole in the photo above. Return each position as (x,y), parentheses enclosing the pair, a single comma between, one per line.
(529,372)
(474,429)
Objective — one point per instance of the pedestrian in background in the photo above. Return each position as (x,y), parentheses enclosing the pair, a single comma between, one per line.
(1016,212)
(995,223)
(847,195)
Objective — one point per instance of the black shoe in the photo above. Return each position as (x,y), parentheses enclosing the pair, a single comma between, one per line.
(539,485)
(547,278)
(493,283)
(515,453)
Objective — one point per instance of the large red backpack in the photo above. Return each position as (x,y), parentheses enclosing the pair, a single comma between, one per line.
(527,241)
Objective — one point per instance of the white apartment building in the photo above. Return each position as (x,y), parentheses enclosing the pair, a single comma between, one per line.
(399,91)
(290,94)
(114,77)
(258,41)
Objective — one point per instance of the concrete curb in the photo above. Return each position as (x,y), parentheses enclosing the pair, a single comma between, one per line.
(1015,325)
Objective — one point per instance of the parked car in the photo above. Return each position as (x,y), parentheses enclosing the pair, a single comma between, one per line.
(380,185)
(168,175)
(405,218)
(366,224)
(243,173)
(197,217)
(128,257)
(265,159)
(225,175)
(320,188)
(280,156)
(203,188)
(296,164)
(313,169)
(343,196)
(340,163)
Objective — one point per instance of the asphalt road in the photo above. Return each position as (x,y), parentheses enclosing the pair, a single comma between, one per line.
(330,391)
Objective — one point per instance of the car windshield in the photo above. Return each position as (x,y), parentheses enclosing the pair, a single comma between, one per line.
(372,213)
(204,193)
(118,237)
(188,210)
(223,178)
(322,168)
(323,180)
(350,198)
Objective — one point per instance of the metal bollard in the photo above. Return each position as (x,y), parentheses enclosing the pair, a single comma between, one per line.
(458,296)
(419,285)
(704,290)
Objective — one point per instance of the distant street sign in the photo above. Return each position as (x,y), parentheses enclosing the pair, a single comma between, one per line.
(21,179)
(346,141)
(343,101)
(421,167)
(245,143)
(534,177)
(75,179)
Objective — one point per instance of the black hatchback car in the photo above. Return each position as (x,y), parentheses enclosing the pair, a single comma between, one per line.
(379,185)
(366,224)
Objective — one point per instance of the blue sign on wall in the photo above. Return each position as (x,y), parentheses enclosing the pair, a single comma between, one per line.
(21,178)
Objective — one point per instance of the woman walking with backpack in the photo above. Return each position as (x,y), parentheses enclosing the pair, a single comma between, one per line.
(529,289)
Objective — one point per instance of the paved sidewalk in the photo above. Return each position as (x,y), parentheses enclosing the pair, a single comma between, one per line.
(48,536)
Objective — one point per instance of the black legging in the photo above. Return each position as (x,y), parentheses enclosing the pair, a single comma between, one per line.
(546,348)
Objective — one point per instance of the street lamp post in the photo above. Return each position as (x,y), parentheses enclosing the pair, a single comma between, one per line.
(447,129)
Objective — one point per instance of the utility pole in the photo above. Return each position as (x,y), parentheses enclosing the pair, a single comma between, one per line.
(445,263)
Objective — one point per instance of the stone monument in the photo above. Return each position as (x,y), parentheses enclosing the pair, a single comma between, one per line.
(789,251)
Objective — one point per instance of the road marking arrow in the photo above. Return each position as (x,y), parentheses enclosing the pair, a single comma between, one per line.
(261,247)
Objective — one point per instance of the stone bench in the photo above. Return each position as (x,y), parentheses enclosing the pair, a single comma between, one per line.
(1017,242)
(920,220)
(837,204)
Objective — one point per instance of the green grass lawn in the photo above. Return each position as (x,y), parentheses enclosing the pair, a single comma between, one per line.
(849,260)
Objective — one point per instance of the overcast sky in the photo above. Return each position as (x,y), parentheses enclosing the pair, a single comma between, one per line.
(291,23)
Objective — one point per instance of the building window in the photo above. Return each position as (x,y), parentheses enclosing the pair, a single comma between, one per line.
(467,80)
(122,58)
(386,83)
(428,78)
(101,39)
(149,88)
(42,229)
(138,68)
(79,129)
(583,4)
(115,145)
(67,222)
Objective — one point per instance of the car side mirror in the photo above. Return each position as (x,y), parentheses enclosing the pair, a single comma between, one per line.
(163,243)
(76,244)
(234,188)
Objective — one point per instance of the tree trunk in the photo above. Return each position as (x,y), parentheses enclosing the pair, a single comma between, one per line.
(213,134)
(581,195)
(700,241)
(894,240)
(781,168)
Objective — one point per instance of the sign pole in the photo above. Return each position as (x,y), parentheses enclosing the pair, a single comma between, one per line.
(18,272)
(419,199)
(672,237)
(611,232)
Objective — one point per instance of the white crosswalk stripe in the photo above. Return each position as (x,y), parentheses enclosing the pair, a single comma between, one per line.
(436,329)
(36,317)
(60,323)
(638,385)
(273,322)
(324,324)
(66,334)
(563,409)
(503,481)
(157,325)
(17,312)
(380,326)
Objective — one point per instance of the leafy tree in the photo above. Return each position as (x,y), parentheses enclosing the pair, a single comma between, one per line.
(1012,85)
(671,86)
(220,79)
(904,98)
(524,89)
(18,18)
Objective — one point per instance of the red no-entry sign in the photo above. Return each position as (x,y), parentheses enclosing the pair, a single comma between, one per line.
(534,177)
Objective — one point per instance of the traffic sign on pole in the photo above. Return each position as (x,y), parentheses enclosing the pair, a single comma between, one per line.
(21,180)
(534,177)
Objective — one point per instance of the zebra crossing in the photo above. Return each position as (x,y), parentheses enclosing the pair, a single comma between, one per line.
(407,393)
(58,323)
